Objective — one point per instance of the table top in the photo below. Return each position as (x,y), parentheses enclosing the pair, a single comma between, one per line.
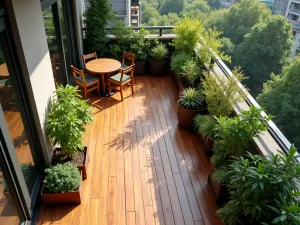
(103,65)
(3,70)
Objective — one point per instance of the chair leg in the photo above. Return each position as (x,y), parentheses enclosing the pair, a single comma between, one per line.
(121,91)
(98,89)
(85,93)
(108,87)
(132,87)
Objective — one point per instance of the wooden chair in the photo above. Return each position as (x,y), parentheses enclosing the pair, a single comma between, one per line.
(88,56)
(129,57)
(86,81)
(120,79)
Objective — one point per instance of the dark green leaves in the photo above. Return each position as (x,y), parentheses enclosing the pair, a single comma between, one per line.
(190,98)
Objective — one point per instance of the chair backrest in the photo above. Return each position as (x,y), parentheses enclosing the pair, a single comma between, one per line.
(76,72)
(89,56)
(129,57)
(126,71)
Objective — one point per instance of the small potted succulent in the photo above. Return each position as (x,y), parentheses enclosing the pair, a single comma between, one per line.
(189,106)
(62,185)
(158,59)
(66,125)
(29,173)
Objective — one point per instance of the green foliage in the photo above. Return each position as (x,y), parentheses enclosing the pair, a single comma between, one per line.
(175,6)
(189,32)
(97,17)
(178,60)
(62,178)
(281,97)
(67,118)
(29,173)
(232,136)
(263,190)
(149,12)
(205,126)
(198,5)
(190,74)
(264,51)
(164,20)
(221,94)
(190,98)
(238,20)
(227,46)
(140,46)
(159,52)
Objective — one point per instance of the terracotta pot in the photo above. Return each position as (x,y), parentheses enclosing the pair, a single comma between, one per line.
(180,87)
(220,191)
(84,166)
(186,116)
(157,68)
(140,68)
(208,146)
(73,197)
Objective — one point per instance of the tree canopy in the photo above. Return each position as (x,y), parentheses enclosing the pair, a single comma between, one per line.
(266,49)
(281,97)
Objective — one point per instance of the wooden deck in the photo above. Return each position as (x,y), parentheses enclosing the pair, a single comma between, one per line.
(144,169)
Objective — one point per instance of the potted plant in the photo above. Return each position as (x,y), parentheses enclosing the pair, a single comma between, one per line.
(62,185)
(189,106)
(263,190)
(29,173)
(158,59)
(65,125)
(205,126)
(190,75)
(140,47)
(178,60)
(232,137)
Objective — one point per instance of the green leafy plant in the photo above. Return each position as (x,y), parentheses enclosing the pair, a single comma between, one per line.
(178,60)
(190,74)
(62,178)
(205,126)
(140,45)
(263,190)
(221,93)
(190,98)
(188,33)
(29,173)
(96,18)
(67,118)
(159,53)
(232,137)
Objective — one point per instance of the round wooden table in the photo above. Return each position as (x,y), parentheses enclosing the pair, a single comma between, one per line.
(103,66)
(3,70)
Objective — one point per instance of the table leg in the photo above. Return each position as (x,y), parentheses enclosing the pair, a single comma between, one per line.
(102,83)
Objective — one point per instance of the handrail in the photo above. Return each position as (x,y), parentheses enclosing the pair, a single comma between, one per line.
(277,135)
(160,28)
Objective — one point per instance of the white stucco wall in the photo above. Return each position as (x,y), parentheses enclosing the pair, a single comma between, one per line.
(28,30)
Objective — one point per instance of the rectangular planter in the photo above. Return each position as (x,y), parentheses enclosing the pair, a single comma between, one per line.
(73,197)
(84,166)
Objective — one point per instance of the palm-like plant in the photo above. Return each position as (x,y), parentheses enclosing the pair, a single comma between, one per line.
(190,98)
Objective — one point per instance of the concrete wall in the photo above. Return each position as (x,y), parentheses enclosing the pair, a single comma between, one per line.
(27,25)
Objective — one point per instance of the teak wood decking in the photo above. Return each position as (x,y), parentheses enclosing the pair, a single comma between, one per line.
(144,169)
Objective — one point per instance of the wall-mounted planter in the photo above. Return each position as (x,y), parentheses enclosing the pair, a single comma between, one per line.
(73,197)
(81,160)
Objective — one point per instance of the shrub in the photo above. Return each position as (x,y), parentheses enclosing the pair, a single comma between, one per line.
(190,74)
(62,178)
(263,190)
(67,119)
(233,135)
(221,93)
(190,98)
(159,53)
(178,60)
(205,126)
